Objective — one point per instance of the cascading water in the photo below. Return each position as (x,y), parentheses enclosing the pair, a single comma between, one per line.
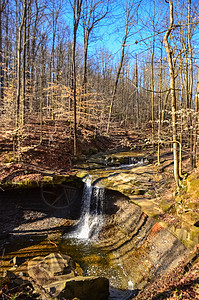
(81,243)
(127,162)
(91,219)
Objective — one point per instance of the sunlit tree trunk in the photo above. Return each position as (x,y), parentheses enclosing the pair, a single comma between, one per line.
(77,4)
(18,96)
(160,108)
(93,11)
(42,88)
(152,73)
(136,93)
(24,68)
(169,52)
(2,7)
(19,49)
(195,135)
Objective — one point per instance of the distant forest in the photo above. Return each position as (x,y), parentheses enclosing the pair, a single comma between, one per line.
(57,62)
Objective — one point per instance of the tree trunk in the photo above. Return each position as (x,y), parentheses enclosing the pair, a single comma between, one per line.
(160,108)
(152,74)
(76,17)
(18,96)
(173,94)
(24,69)
(117,80)
(195,136)
(137,100)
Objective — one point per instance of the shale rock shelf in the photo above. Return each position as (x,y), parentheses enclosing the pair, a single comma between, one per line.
(138,181)
(111,227)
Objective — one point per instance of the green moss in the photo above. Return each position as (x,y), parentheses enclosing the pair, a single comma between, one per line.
(82,174)
(47,179)
(165,206)
(9,158)
(19,185)
(193,187)
(150,192)
(59,179)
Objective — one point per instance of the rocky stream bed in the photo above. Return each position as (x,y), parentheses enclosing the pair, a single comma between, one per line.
(136,243)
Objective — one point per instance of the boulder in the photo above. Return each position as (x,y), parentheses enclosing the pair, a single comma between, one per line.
(9,274)
(17,261)
(84,288)
(46,269)
(59,276)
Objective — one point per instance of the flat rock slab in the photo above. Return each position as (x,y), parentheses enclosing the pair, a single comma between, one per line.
(48,269)
(84,288)
(59,276)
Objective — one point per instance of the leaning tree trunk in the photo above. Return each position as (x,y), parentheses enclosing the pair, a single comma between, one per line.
(116,81)
(173,94)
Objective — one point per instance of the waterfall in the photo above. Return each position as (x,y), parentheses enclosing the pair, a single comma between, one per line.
(91,219)
(136,161)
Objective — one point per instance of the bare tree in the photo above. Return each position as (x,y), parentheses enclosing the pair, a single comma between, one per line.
(19,49)
(3,4)
(93,12)
(171,63)
(131,10)
(76,6)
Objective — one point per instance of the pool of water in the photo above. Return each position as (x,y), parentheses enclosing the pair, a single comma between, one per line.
(95,261)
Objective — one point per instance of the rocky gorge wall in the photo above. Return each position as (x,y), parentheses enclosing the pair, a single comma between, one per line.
(131,236)
(137,242)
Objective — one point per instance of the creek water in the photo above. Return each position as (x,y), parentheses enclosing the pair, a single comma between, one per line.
(82,244)
(91,219)
(127,162)
(95,261)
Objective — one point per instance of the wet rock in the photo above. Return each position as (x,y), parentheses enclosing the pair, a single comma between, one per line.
(196,224)
(9,274)
(46,269)
(138,192)
(4,234)
(58,275)
(84,288)
(17,261)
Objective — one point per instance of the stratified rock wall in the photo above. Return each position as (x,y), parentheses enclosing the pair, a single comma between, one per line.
(137,242)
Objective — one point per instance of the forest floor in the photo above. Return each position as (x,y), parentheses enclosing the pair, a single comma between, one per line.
(53,154)
(53,150)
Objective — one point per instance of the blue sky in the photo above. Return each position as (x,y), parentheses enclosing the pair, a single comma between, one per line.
(109,33)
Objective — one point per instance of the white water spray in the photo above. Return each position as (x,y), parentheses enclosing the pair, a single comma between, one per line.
(91,219)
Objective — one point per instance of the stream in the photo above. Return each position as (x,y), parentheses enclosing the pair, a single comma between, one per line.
(105,229)
(81,242)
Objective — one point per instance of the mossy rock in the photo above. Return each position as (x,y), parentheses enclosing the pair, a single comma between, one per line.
(19,185)
(138,192)
(81,174)
(45,181)
(90,151)
(165,205)
(59,179)
(193,187)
